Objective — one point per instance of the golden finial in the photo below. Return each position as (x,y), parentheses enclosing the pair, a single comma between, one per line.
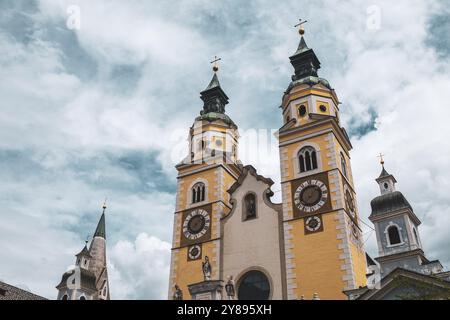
(215,63)
(301,28)
(381,158)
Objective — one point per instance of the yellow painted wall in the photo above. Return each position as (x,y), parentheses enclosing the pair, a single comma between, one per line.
(292,148)
(317,261)
(208,175)
(189,272)
(306,90)
(359,265)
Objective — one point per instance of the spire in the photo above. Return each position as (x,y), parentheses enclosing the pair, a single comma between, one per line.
(302,46)
(383,173)
(101,230)
(214,82)
(386,181)
(84,252)
(304,60)
(214,98)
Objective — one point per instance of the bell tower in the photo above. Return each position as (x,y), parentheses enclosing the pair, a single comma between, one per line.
(323,241)
(88,280)
(204,176)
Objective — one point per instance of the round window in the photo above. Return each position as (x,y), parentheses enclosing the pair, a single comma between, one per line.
(323,108)
(302,111)
(254,285)
(219,143)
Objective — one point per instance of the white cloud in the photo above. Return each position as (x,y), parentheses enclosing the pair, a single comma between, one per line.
(139,270)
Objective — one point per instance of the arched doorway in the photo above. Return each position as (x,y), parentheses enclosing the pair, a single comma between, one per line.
(254,285)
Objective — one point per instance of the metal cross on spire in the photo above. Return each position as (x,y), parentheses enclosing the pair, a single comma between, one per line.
(215,63)
(301,30)
(381,158)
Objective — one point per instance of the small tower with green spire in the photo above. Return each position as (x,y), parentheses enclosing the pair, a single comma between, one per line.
(88,280)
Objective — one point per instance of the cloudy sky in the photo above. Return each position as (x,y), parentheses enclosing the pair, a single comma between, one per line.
(100,107)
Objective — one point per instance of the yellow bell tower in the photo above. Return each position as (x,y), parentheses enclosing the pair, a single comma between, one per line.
(323,241)
(204,177)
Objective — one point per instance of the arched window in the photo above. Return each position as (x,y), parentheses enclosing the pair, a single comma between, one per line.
(394,235)
(249,206)
(198,192)
(344,165)
(307,158)
(65,297)
(82,298)
(254,285)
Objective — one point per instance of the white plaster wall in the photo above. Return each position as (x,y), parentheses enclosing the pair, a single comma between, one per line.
(254,243)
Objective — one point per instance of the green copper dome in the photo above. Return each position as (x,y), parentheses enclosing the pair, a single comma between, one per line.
(214,116)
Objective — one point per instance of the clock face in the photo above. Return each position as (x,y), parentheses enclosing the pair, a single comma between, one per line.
(194,252)
(196,224)
(313,224)
(350,203)
(311,195)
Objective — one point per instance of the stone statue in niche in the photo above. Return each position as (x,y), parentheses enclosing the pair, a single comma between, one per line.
(206,268)
(250,206)
(229,288)
(178,294)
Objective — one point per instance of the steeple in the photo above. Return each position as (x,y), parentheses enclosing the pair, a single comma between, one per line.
(304,61)
(214,98)
(89,279)
(98,262)
(386,181)
(83,257)
(397,230)
(101,231)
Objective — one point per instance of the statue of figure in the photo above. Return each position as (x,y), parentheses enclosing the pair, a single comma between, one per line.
(178,294)
(206,267)
(229,288)
(251,206)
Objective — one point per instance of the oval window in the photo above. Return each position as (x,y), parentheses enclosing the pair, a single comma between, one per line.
(302,110)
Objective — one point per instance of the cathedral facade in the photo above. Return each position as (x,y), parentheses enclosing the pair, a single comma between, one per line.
(231,241)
